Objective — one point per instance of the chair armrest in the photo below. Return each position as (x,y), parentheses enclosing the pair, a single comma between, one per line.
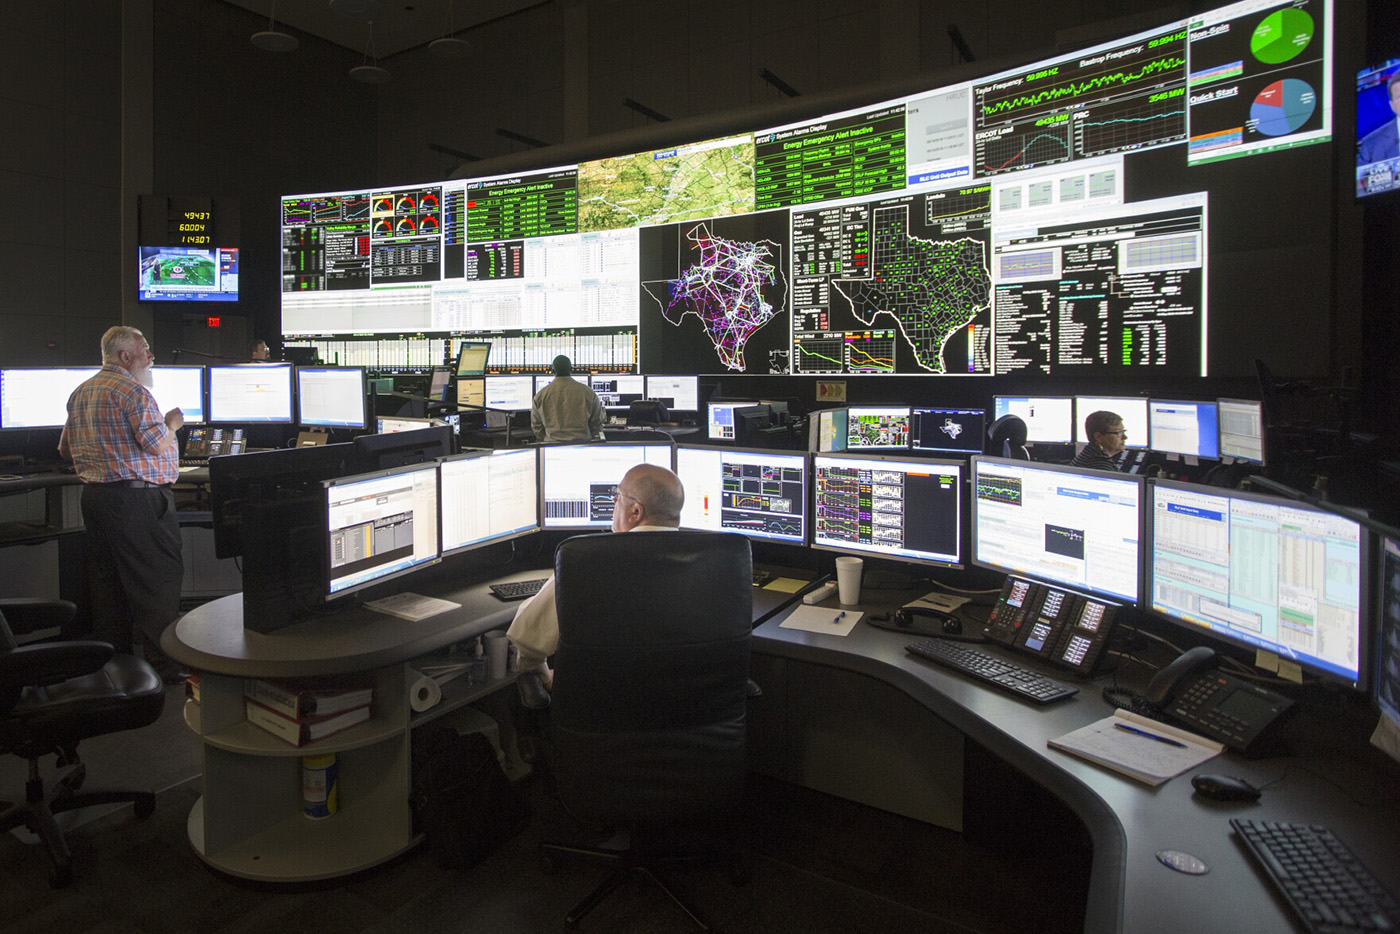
(30,614)
(51,663)
(533,695)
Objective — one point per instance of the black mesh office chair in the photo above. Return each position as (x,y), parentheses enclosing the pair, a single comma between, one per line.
(646,412)
(54,694)
(1007,438)
(648,708)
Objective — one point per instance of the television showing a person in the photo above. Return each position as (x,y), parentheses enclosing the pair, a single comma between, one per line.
(1383,142)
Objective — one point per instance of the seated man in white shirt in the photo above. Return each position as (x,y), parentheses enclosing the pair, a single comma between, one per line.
(649,499)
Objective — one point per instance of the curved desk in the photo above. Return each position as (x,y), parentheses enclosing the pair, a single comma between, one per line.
(1129,822)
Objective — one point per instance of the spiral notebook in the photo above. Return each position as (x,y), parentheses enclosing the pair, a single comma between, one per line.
(1138,747)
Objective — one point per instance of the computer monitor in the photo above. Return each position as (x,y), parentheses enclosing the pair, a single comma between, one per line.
(905,508)
(439,382)
(488,497)
(578,481)
(399,449)
(266,476)
(471,391)
(1049,419)
(380,526)
(513,393)
(722,420)
(1377,161)
(617,391)
(471,358)
(37,397)
(1261,572)
(331,396)
(877,426)
(827,428)
(180,387)
(1190,428)
(542,380)
(1385,668)
(393,424)
(761,494)
(251,393)
(1064,525)
(1131,409)
(948,431)
(1241,430)
(677,393)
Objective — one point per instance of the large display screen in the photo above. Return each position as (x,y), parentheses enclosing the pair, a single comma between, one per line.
(1094,214)
(761,494)
(888,507)
(1063,525)
(1378,129)
(1261,572)
(186,274)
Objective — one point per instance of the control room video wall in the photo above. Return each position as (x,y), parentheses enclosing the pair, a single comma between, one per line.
(1158,203)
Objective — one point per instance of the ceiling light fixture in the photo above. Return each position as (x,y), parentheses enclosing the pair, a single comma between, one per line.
(370,72)
(449,46)
(272,39)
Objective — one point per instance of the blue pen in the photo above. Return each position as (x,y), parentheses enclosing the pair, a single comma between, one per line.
(1160,739)
(838,617)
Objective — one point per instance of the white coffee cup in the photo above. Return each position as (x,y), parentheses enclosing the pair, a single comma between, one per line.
(848,571)
(496,653)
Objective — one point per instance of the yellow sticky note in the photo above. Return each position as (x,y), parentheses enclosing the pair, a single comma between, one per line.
(1266,660)
(785,584)
(1290,671)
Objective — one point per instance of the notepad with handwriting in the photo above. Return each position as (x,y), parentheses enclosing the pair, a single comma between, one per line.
(411,606)
(1138,747)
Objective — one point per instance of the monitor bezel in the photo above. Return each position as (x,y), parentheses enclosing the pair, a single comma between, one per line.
(505,537)
(364,391)
(1263,433)
(723,449)
(1013,463)
(286,368)
(1365,566)
(957,464)
(326,569)
(1152,444)
(609,445)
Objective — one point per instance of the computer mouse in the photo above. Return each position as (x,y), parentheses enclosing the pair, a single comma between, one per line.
(1224,788)
(952,626)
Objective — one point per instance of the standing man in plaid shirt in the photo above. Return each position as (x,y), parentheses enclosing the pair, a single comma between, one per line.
(127,455)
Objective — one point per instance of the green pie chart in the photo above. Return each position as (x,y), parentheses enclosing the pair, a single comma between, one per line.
(1281,36)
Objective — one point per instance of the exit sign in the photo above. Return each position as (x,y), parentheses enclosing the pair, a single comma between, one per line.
(215,322)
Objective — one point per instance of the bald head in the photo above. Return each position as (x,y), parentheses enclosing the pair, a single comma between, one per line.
(648,495)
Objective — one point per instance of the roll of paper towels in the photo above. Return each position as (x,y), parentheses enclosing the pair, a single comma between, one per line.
(423,693)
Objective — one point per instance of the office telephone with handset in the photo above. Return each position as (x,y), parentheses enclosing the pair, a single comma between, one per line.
(1191,692)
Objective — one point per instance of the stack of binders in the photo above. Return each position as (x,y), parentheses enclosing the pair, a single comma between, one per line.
(302,713)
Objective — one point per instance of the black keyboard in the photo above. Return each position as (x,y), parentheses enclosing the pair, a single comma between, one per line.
(1020,681)
(1329,889)
(518,590)
(194,462)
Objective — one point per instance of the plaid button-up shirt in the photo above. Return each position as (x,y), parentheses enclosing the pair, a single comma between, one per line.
(114,430)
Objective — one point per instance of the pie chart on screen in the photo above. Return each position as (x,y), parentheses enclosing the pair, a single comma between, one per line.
(1283,107)
(1281,36)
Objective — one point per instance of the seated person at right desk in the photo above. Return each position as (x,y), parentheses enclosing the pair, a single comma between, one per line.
(566,410)
(1106,439)
(649,499)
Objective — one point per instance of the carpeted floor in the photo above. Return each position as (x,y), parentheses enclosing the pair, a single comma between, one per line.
(819,864)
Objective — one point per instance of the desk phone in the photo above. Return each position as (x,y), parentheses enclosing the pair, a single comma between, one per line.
(1055,624)
(204,443)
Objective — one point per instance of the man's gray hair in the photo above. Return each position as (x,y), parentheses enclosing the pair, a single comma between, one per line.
(118,339)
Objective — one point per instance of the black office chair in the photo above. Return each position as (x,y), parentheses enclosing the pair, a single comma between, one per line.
(647,715)
(1007,438)
(54,694)
(646,412)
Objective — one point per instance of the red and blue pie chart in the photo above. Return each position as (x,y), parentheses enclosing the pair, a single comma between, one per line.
(1283,107)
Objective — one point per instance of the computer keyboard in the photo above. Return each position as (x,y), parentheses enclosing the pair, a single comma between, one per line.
(518,590)
(1329,889)
(194,462)
(1020,681)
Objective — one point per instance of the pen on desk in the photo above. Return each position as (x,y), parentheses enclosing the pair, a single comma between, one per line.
(1160,739)
(838,617)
